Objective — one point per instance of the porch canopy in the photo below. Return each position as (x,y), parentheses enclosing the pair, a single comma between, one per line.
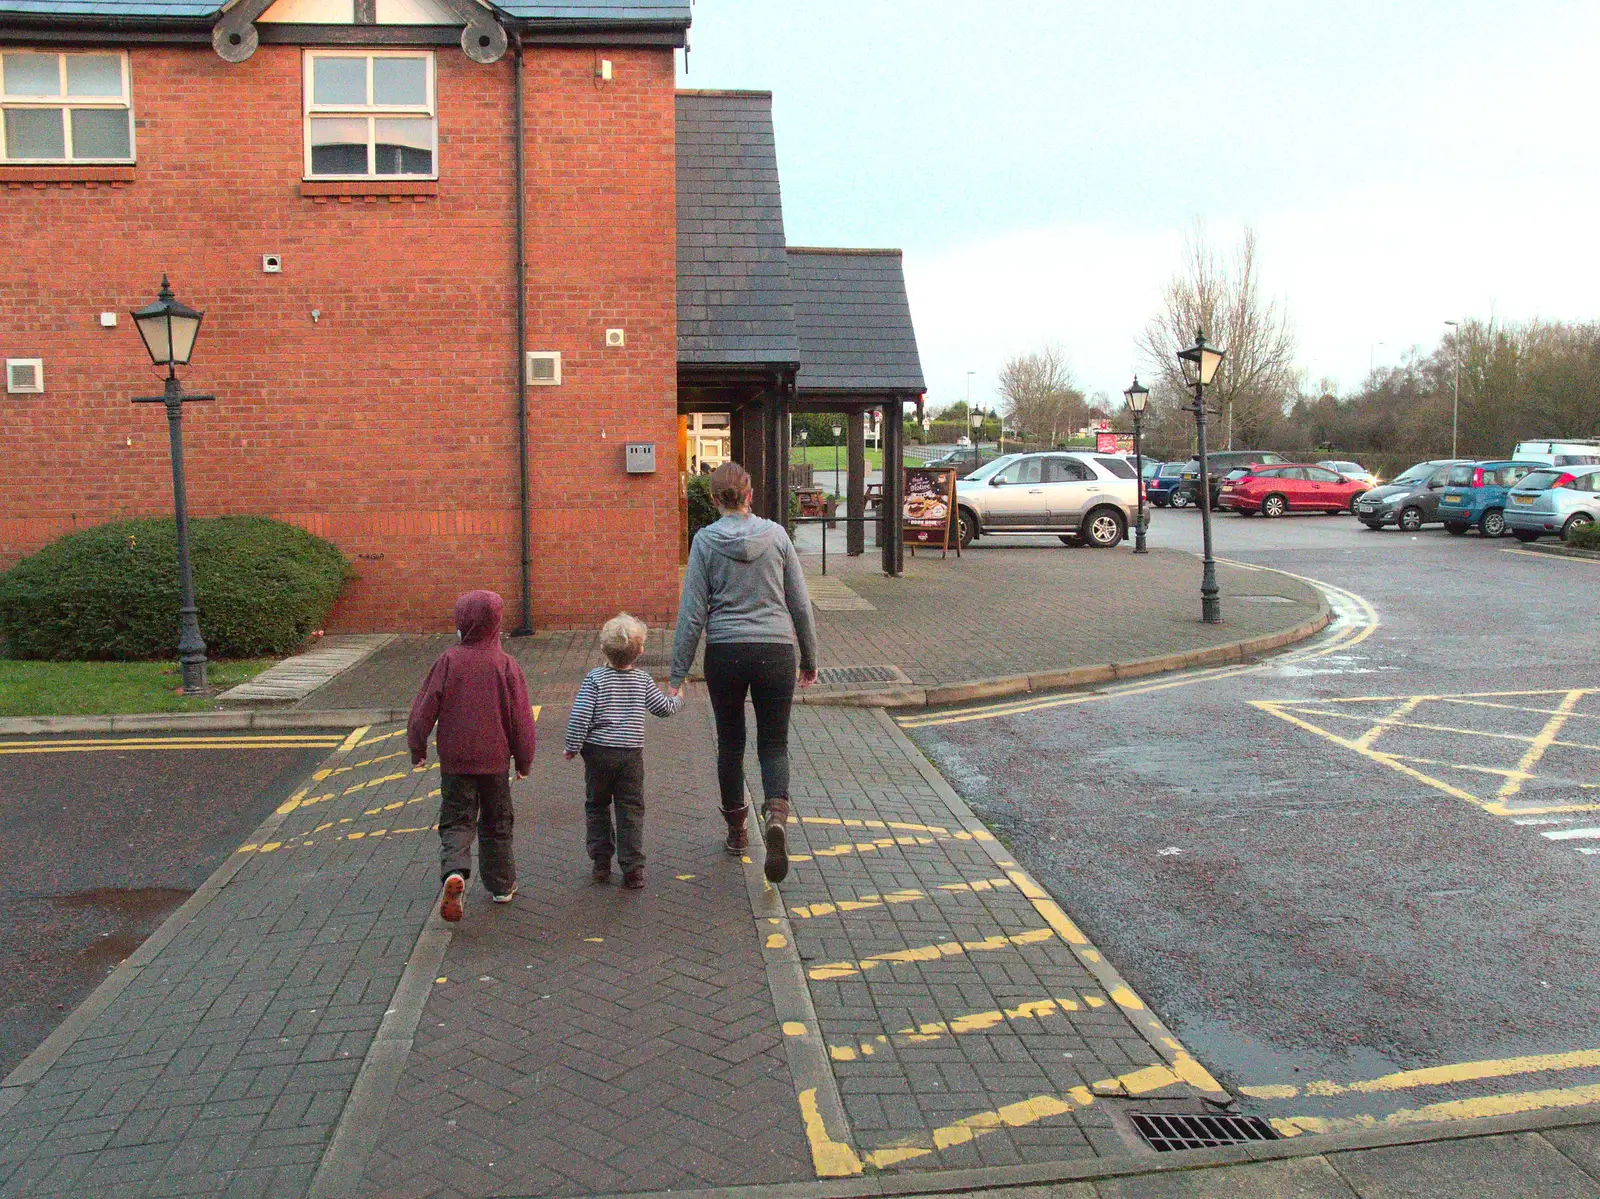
(764,331)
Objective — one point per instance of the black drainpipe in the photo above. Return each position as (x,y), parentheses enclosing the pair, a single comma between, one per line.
(525,628)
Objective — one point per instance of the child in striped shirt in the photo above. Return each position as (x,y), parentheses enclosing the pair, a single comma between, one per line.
(607,728)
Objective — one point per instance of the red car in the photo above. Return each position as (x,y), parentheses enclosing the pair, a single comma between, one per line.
(1274,490)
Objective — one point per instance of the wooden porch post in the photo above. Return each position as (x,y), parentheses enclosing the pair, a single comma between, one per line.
(856,487)
(893,489)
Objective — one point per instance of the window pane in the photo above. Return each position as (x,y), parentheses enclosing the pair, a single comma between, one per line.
(339,81)
(32,75)
(399,81)
(94,75)
(339,146)
(35,133)
(404,147)
(100,133)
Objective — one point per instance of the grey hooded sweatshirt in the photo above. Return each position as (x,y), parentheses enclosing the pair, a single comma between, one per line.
(743,583)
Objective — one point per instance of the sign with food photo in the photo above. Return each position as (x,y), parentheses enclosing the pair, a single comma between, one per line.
(930,504)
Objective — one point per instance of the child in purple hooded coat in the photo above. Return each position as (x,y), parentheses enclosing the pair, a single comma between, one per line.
(478,697)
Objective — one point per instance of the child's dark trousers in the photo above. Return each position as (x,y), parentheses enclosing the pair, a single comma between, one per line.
(614,778)
(477,805)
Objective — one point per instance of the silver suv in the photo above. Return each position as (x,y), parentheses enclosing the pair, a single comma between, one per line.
(1083,498)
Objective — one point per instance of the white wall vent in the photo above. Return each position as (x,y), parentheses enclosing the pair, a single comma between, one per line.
(544,368)
(25,376)
(616,338)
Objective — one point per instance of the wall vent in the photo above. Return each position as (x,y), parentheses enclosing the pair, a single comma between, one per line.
(25,376)
(544,368)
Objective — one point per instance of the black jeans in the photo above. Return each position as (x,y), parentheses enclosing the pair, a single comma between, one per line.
(477,805)
(766,672)
(614,777)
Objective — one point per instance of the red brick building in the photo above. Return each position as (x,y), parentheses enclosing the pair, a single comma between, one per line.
(335,183)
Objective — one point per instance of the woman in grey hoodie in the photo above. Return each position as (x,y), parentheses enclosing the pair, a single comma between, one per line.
(744,590)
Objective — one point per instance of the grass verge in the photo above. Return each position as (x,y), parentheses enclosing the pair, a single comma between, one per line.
(109,688)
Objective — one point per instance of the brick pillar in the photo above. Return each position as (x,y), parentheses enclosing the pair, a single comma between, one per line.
(856,487)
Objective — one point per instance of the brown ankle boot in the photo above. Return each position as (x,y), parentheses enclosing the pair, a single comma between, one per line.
(776,835)
(738,840)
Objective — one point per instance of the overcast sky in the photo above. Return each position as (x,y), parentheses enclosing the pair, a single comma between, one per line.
(1041,162)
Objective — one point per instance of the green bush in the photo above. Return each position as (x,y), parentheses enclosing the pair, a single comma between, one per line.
(1584,537)
(111,592)
(702,511)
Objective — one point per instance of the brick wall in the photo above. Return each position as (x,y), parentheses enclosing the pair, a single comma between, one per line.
(389,425)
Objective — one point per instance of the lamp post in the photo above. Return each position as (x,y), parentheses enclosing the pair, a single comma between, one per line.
(975,417)
(168,330)
(1138,397)
(1200,362)
(837,429)
(1455,405)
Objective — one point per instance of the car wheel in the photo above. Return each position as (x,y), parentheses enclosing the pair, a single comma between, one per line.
(1352,508)
(1578,520)
(1180,499)
(1104,528)
(1525,535)
(1411,520)
(1375,525)
(1244,512)
(1071,539)
(1493,523)
(1274,505)
(1334,511)
(1455,528)
(967,527)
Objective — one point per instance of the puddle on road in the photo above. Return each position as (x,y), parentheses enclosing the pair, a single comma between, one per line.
(126,916)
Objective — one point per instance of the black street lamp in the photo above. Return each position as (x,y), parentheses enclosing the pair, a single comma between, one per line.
(1138,397)
(837,429)
(976,418)
(169,329)
(1200,363)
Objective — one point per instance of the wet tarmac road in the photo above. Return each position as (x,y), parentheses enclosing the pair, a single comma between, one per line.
(103,838)
(1371,856)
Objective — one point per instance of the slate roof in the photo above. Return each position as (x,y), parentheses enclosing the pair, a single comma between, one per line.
(657,12)
(734,302)
(854,321)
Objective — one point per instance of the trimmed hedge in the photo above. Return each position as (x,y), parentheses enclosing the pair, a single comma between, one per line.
(111,592)
(1584,537)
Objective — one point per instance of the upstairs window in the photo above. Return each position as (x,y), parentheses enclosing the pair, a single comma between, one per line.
(65,108)
(369,115)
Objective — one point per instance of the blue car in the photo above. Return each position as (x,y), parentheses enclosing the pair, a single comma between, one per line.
(1475,496)
(1161,485)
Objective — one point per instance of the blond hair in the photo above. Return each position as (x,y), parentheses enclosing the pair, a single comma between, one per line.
(622,640)
(730,487)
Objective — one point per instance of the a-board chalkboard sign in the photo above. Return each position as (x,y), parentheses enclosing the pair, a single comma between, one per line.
(929,518)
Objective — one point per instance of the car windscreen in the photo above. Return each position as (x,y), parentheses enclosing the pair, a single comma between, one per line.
(988,468)
(1171,470)
(1538,480)
(1417,474)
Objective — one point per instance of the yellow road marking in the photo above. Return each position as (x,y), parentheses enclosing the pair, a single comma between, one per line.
(928,953)
(829,1158)
(1459,1109)
(1013,1115)
(1479,703)
(1376,731)
(982,884)
(1438,1076)
(145,744)
(1544,740)
(274,846)
(353,739)
(812,911)
(1387,722)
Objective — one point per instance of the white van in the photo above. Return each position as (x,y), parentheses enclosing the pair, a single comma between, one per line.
(1575,452)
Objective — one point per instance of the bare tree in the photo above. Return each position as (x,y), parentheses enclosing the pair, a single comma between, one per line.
(1040,397)
(1258,376)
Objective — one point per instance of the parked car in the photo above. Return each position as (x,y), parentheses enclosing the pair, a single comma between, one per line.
(1554,500)
(1475,494)
(1411,500)
(1163,485)
(964,461)
(1351,470)
(1579,451)
(1277,490)
(1218,465)
(1082,498)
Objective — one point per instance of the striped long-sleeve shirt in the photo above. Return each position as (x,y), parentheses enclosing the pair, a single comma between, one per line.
(610,708)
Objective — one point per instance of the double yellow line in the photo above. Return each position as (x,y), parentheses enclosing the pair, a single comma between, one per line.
(89,745)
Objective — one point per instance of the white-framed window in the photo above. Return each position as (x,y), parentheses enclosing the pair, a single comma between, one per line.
(370,114)
(65,107)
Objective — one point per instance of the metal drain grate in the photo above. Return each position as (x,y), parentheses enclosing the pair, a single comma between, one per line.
(1168,1133)
(833,676)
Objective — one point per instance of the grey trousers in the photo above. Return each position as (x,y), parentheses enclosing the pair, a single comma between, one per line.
(477,805)
(614,778)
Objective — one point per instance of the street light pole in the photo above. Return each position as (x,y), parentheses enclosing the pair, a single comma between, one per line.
(1137,397)
(1200,362)
(1455,405)
(169,330)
